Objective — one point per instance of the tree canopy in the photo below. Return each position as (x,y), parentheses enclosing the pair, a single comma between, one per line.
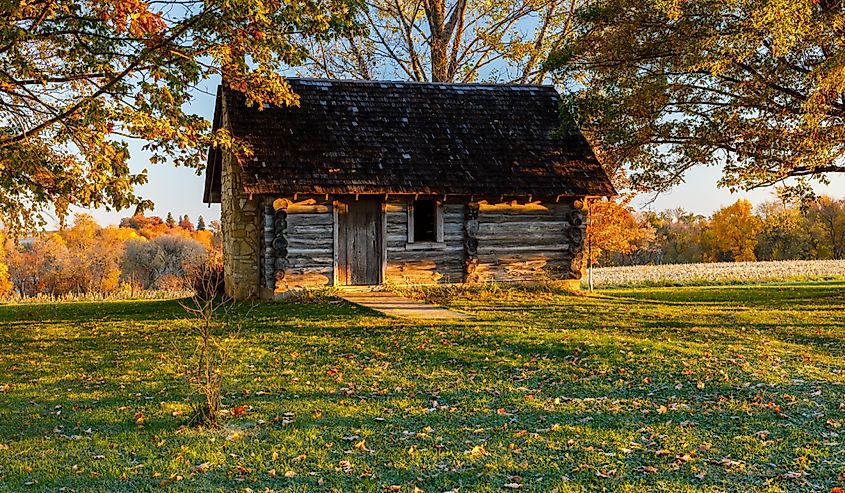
(78,78)
(753,85)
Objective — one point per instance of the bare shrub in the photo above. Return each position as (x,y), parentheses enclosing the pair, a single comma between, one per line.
(148,262)
(207,282)
(170,282)
(212,327)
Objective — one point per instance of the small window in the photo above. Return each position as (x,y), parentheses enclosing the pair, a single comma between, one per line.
(423,222)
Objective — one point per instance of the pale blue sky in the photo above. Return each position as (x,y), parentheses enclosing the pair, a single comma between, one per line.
(700,194)
(179,190)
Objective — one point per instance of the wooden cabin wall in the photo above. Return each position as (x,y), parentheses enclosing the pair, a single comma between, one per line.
(527,242)
(309,236)
(412,265)
(509,242)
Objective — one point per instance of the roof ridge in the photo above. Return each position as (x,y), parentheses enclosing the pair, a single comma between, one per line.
(319,81)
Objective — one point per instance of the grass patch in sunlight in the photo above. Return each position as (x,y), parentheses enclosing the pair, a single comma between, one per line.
(661,389)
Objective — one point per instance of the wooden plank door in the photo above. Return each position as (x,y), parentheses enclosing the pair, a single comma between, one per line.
(359,241)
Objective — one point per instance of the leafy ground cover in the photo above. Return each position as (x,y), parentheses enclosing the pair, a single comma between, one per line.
(663,389)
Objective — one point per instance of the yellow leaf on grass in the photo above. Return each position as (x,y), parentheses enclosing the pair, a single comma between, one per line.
(477,451)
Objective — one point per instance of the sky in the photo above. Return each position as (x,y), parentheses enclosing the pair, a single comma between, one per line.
(701,195)
(172,189)
(179,190)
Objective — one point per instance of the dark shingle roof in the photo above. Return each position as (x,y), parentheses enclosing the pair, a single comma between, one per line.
(400,137)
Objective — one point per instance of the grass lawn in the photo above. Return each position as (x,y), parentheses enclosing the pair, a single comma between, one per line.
(661,389)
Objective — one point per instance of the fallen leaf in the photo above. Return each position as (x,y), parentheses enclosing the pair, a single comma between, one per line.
(477,451)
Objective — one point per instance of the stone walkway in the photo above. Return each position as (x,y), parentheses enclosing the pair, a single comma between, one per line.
(399,306)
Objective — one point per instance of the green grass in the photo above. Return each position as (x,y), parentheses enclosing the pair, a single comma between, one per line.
(661,389)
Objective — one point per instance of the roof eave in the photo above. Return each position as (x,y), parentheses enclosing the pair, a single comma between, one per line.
(211,190)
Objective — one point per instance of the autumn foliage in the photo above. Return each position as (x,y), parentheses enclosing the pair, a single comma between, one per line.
(141,254)
(80,77)
(753,86)
(781,229)
(614,228)
(735,231)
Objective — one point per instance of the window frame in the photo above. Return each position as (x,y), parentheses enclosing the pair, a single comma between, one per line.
(438,224)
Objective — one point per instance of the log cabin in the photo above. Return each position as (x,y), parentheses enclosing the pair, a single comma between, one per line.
(374,182)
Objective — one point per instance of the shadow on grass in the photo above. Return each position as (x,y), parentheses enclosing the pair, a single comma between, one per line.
(494,379)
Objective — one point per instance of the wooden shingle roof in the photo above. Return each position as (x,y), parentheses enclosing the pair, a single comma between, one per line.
(401,137)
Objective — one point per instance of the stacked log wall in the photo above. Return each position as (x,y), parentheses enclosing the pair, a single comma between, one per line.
(529,242)
(308,233)
(481,242)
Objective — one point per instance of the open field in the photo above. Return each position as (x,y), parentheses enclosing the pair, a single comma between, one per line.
(715,273)
(663,389)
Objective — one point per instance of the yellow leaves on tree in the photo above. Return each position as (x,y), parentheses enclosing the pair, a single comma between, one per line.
(81,77)
(828,218)
(132,16)
(735,230)
(613,228)
(667,85)
(141,253)
(5,280)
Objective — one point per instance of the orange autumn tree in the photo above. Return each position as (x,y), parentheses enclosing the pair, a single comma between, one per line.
(613,228)
(81,77)
(735,230)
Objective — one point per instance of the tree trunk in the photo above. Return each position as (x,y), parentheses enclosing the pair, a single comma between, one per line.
(439,67)
(436,12)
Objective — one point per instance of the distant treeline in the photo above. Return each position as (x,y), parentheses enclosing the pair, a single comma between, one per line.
(143,253)
(782,229)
